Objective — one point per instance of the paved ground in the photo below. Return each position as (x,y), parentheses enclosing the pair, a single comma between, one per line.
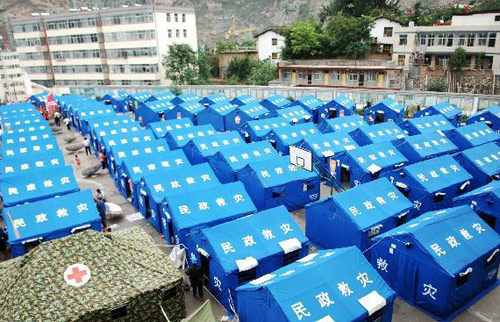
(486,310)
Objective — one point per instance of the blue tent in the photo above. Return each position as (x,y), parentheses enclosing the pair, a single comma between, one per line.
(294,114)
(332,285)
(199,150)
(39,99)
(179,138)
(116,100)
(258,130)
(185,98)
(275,102)
(18,119)
(355,216)
(369,162)
(425,146)
(472,135)
(427,124)
(83,117)
(441,263)
(281,138)
(346,123)
(115,141)
(245,100)
(485,201)
(311,104)
(452,113)
(28,138)
(38,185)
(489,116)
(377,133)
(65,101)
(208,207)
(99,124)
(387,110)
(114,132)
(226,163)
(482,162)
(216,114)
(16,108)
(276,182)
(132,170)
(152,111)
(162,128)
(41,127)
(164,96)
(30,163)
(16,124)
(18,150)
(327,148)
(133,100)
(190,110)
(432,184)
(158,189)
(237,118)
(214,99)
(338,107)
(247,248)
(49,219)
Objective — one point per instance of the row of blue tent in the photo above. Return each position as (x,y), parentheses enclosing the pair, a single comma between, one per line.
(40,195)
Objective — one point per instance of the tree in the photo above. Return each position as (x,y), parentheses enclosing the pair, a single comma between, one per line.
(350,36)
(262,73)
(208,65)
(303,40)
(239,69)
(181,65)
(456,65)
(358,8)
(438,85)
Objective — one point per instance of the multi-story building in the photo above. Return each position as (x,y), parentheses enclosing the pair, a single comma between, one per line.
(382,34)
(269,44)
(433,45)
(119,46)
(12,87)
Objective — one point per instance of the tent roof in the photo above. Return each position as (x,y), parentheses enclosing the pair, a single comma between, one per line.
(429,144)
(29,163)
(310,101)
(344,101)
(389,103)
(485,157)
(163,96)
(136,149)
(41,127)
(382,154)
(293,112)
(142,96)
(123,266)
(253,110)
(189,97)
(278,100)
(109,121)
(153,164)
(329,144)
(143,135)
(223,107)
(264,126)
(446,108)
(438,173)
(38,185)
(16,150)
(24,123)
(192,106)
(475,237)
(492,110)
(95,112)
(209,145)
(431,123)
(209,206)
(383,132)
(247,99)
(492,187)
(477,133)
(183,136)
(216,98)
(348,123)
(239,156)
(277,221)
(159,105)
(328,273)
(292,134)
(37,137)
(373,202)
(161,128)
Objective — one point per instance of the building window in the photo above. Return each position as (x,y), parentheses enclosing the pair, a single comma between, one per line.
(387,49)
(274,41)
(430,40)
(374,40)
(353,77)
(185,33)
(441,40)
(371,76)
(492,39)
(470,40)
(177,33)
(423,40)
(461,40)
(483,39)
(274,55)
(168,17)
(183,17)
(302,75)
(287,74)
(335,76)
(401,60)
(449,41)
(387,31)
(169,33)
(497,18)
(403,40)
(318,76)
(176,17)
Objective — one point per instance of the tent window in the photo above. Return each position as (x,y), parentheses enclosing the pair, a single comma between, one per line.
(462,279)
(401,220)
(291,257)
(119,312)
(438,197)
(375,175)
(169,293)
(490,220)
(278,194)
(308,186)
(247,275)
(377,316)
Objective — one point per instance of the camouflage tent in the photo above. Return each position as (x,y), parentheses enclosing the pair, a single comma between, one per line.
(92,276)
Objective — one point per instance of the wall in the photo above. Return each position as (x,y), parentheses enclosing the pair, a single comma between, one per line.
(378,30)
(226,57)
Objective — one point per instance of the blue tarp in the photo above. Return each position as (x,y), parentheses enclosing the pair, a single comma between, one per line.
(275,102)
(161,129)
(482,162)
(114,141)
(39,99)
(489,116)
(213,99)
(30,163)
(283,137)
(23,123)
(452,113)
(427,124)
(228,162)
(28,138)
(245,100)
(165,96)
(237,118)
(38,185)
(29,148)
(377,133)
(472,135)
(109,121)
(185,98)
(208,207)
(157,190)
(116,100)
(423,260)
(190,110)
(387,110)
(261,242)
(16,108)
(333,285)
(133,100)
(132,170)
(345,123)
(485,201)
(19,118)
(179,138)
(294,114)
(86,115)
(152,111)
(216,114)
(114,132)
(338,107)
(41,127)
(200,149)
(50,219)
(367,163)
(355,216)
(276,182)
(258,130)
(432,184)
(311,104)
(425,146)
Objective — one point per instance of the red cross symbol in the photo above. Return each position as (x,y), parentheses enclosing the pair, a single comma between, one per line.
(77,275)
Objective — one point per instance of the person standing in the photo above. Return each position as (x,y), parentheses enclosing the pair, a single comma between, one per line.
(78,161)
(3,244)
(195,273)
(66,121)
(103,158)
(101,208)
(86,144)
(57,118)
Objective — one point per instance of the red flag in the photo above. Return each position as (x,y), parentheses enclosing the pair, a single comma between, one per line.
(50,97)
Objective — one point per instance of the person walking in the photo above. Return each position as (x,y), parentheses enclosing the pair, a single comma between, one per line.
(195,273)
(66,121)
(3,244)
(78,161)
(104,159)
(99,195)
(57,118)
(101,208)
(86,144)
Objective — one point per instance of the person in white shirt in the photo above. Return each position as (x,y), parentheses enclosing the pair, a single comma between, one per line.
(86,144)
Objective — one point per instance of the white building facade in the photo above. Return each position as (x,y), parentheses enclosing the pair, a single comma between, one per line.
(119,46)
(382,34)
(12,87)
(269,44)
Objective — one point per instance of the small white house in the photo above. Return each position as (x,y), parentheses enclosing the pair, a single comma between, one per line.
(269,44)
(382,33)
